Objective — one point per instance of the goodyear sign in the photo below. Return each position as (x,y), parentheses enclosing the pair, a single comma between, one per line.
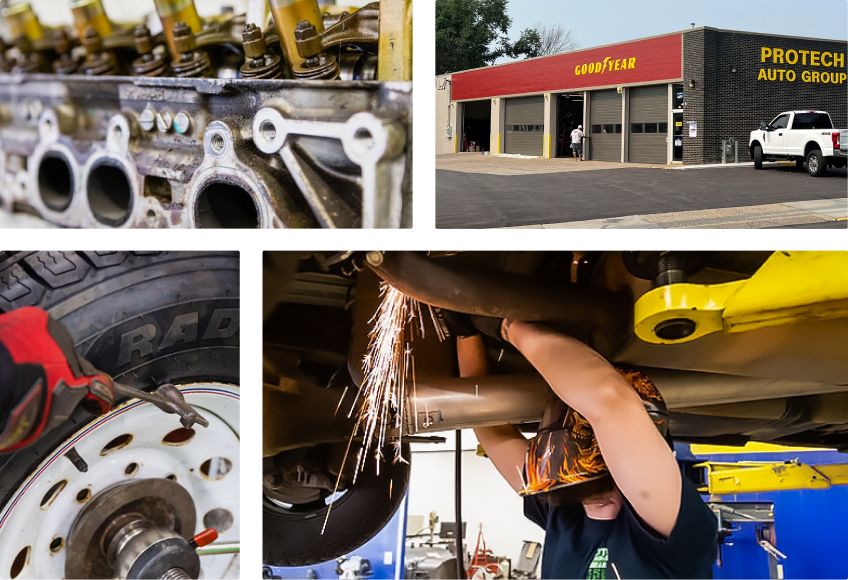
(607,66)
(811,58)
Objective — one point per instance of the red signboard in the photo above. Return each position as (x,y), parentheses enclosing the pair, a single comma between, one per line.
(654,59)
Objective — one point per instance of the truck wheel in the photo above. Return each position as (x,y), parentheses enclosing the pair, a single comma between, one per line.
(799,164)
(758,157)
(816,164)
(292,533)
(146,318)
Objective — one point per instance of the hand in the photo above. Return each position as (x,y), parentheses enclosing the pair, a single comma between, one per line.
(48,378)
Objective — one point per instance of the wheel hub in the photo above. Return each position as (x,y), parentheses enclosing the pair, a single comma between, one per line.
(134,530)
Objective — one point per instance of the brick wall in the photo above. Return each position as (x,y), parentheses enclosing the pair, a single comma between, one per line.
(727,104)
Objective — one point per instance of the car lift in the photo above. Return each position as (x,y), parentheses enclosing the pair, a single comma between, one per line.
(730,478)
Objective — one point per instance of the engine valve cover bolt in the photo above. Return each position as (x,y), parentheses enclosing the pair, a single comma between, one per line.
(259,65)
(29,61)
(191,63)
(99,62)
(148,64)
(317,65)
(67,64)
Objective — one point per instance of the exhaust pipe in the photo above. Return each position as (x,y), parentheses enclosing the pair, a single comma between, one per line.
(596,316)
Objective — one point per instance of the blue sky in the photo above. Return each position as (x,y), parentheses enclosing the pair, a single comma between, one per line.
(606,21)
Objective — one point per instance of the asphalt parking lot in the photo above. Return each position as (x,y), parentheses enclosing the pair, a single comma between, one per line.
(466,199)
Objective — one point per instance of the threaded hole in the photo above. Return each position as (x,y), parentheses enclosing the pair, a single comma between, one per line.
(268,130)
(216,468)
(55,181)
(218,143)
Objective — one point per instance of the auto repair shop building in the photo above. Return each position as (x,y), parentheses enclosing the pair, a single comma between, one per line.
(662,100)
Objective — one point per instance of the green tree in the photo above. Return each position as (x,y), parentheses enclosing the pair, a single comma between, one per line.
(470,34)
(529,44)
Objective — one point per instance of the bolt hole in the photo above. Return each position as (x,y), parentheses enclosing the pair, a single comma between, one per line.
(218,518)
(171,477)
(216,468)
(53,493)
(84,495)
(118,442)
(57,544)
(117,132)
(178,437)
(131,469)
(152,220)
(20,562)
(364,138)
(48,124)
(268,130)
(218,143)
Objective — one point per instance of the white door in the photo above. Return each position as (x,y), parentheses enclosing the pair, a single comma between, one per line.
(775,140)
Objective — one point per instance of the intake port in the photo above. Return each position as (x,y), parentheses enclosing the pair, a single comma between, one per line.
(109,192)
(222,204)
(55,181)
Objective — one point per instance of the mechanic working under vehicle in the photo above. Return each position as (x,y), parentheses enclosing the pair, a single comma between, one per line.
(119,414)
(539,415)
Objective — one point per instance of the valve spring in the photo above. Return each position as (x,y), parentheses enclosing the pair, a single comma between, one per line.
(192,65)
(266,67)
(175,574)
(150,65)
(101,64)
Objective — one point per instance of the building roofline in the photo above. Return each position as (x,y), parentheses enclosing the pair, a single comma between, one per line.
(685,31)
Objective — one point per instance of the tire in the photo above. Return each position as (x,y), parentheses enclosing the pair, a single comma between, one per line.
(816,163)
(120,308)
(758,157)
(799,164)
(293,537)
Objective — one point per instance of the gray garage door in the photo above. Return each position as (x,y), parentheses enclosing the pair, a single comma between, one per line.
(649,124)
(606,126)
(525,126)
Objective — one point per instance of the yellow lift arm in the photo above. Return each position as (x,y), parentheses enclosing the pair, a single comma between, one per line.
(756,477)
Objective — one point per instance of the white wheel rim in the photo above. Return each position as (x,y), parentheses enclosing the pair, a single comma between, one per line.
(23,522)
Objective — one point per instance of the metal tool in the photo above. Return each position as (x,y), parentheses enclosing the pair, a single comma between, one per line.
(221,548)
(168,398)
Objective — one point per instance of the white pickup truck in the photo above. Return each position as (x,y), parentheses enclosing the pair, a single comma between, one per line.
(805,137)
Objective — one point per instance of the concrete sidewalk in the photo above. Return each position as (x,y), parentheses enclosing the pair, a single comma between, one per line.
(828,213)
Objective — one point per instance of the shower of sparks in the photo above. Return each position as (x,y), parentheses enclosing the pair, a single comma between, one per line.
(388,367)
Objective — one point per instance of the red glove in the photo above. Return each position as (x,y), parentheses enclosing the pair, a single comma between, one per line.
(42,378)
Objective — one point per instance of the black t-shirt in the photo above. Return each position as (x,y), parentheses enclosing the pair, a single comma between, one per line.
(579,547)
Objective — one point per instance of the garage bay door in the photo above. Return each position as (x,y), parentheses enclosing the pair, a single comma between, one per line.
(606,126)
(649,124)
(525,126)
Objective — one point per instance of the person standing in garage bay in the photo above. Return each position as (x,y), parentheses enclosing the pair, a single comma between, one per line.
(600,476)
(577,143)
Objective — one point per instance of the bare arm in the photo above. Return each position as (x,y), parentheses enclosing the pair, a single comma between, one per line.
(504,444)
(642,465)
